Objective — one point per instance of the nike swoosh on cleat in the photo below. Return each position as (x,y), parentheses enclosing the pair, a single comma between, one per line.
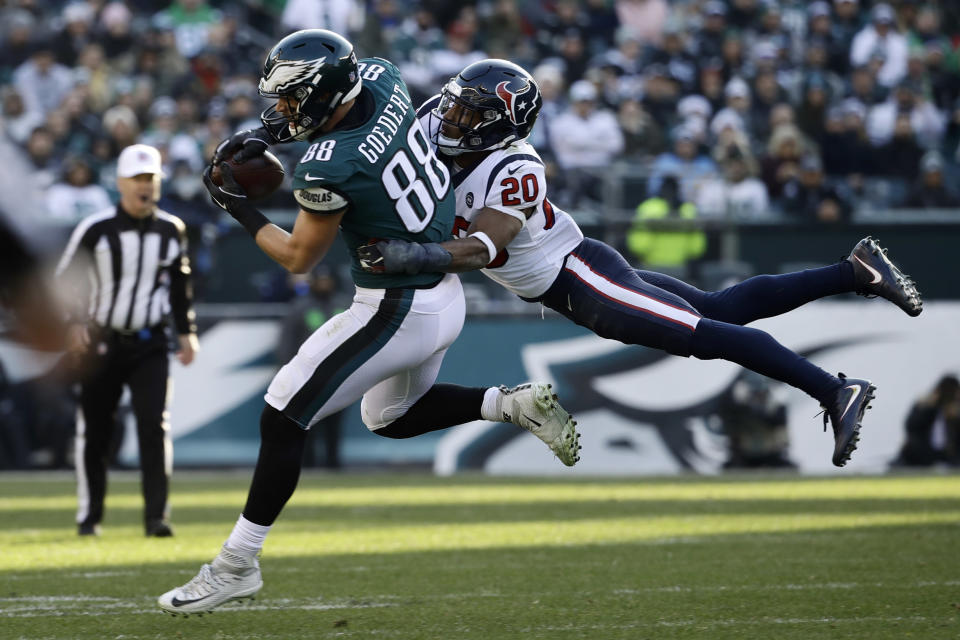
(876,274)
(853,396)
(526,417)
(179,603)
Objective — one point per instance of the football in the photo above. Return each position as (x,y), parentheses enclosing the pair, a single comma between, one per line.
(259,176)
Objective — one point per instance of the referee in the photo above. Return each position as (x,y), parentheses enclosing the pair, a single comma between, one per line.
(133,261)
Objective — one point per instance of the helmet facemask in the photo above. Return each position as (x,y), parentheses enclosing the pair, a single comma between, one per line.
(481,127)
(313,105)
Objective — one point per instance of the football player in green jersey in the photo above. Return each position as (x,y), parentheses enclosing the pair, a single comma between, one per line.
(370,172)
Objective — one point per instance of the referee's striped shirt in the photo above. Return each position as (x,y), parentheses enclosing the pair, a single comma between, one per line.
(138,269)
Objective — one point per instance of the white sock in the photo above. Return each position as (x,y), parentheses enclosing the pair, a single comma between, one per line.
(490,409)
(246,536)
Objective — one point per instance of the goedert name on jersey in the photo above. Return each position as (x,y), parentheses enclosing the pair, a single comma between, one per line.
(381,175)
(512,181)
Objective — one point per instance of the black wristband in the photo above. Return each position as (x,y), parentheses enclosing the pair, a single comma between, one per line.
(248,216)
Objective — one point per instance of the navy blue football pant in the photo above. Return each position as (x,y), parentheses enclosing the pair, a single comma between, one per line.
(599,290)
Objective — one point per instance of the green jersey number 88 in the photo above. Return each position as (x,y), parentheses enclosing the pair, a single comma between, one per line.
(415,199)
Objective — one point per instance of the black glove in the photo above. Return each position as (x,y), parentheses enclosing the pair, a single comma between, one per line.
(229,194)
(230,197)
(242,146)
(400,256)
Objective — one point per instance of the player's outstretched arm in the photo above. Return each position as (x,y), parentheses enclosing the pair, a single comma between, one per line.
(297,252)
(300,250)
(489,233)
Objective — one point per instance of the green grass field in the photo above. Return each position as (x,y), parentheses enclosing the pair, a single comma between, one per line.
(413,556)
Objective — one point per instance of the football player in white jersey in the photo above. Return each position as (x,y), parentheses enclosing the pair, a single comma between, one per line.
(506,226)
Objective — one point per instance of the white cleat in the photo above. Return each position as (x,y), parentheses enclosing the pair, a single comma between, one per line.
(534,407)
(231,576)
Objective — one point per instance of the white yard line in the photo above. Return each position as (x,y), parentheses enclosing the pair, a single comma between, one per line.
(85,605)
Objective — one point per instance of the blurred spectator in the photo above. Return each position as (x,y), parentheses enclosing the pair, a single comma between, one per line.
(767,94)
(951,141)
(641,133)
(846,150)
(566,20)
(695,111)
(744,14)
(43,156)
(881,37)
(417,36)
(585,139)
(733,56)
(933,427)
(820,29)
(771,30)
(19,30)
(602,23)
(673,54)
(900,156)
(115,35)
(930,191)
(782,114)
(645,18)
(77,195)
(781,164)
(685,161)
(711,82)
(42,81)
(738,194)
(846,21)
(428,71)
(550,80)
(755,422)
(572,55)
(816,61)
(660,94)
(709,40)
(906,101)
(665,235)
(863,86)
(17,121)
(190,21)
(121,126)
(737,106)
(503,28)
(343,16)
(812,112)
(627,58)
(810,197)
(76,33)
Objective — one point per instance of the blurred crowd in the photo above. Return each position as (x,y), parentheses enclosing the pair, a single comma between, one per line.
(753,107)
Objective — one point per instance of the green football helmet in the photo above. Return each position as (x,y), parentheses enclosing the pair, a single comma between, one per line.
(316,68)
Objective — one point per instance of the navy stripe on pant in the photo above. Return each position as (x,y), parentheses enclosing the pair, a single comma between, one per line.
(599,290)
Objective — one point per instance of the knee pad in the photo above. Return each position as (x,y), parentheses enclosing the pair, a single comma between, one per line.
(376,418)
